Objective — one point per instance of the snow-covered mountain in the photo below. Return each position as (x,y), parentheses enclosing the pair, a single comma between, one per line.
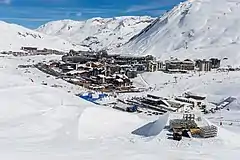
(13,37)
(193,29)
(97,33)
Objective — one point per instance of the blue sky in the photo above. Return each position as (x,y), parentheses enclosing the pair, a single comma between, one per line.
(32,13)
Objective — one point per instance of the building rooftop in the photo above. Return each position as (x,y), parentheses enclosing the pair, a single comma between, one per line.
(76,72)
(101,76)
(119,80)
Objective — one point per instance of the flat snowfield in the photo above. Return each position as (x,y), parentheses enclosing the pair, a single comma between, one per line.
(41,122)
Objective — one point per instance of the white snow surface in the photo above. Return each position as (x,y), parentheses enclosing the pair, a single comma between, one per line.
(98,33)
(41,122)
(193,29)
(14,36)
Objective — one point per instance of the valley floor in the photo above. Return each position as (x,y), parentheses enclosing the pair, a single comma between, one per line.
(43,122)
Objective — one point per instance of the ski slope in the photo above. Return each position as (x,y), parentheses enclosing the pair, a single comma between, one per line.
(42,122)
(216,85)
(193,29)
(13,37)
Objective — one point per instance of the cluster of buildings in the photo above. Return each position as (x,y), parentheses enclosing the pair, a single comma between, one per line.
(183,66)
(128,65)
(207,65)
(191,126)
(176,65)
(163,105)
(109,72)
(28,51)
(100,71)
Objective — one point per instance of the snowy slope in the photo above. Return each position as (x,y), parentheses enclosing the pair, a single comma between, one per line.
(195,28)
(97,33)
(13,37)
(41,122)
(216,86)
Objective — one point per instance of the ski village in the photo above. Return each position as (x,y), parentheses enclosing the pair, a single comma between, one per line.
(130,88)
(106,76)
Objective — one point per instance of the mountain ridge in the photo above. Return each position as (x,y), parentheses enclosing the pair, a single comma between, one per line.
(192,29)
(97,33)
(15,36)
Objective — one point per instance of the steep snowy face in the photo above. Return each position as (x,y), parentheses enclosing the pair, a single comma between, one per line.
(193,29)
(97,33)
(13,37)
